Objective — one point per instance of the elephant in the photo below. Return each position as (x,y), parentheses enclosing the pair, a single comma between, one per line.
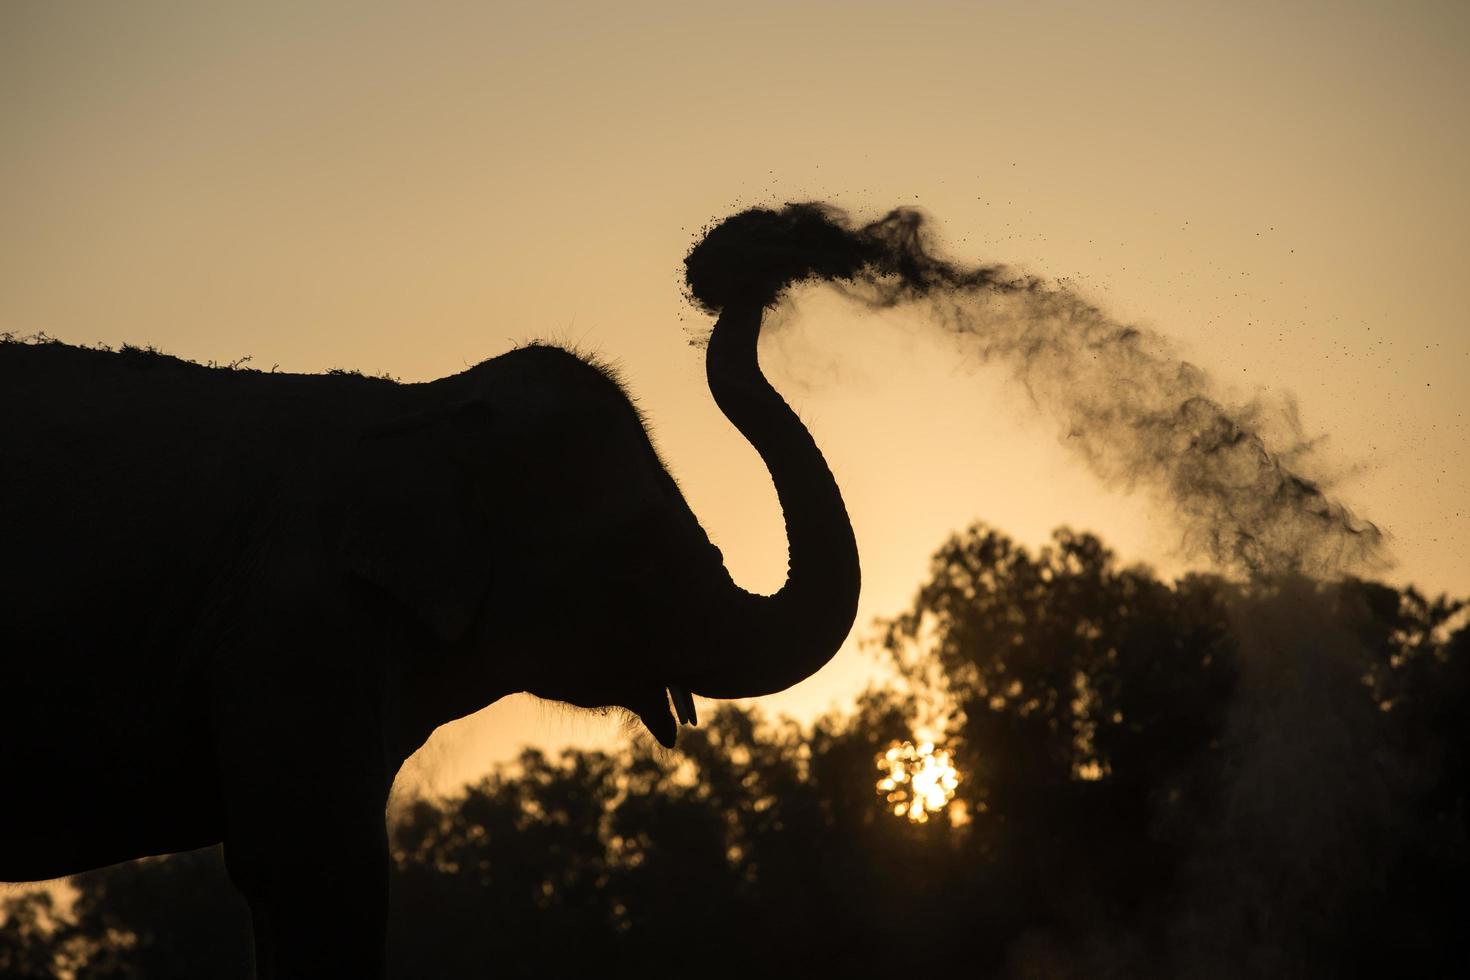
(233,602)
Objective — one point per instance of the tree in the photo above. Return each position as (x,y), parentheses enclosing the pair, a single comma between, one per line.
(1205,778)
(1209,777)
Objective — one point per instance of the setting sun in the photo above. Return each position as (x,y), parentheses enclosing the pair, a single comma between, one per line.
(918,779)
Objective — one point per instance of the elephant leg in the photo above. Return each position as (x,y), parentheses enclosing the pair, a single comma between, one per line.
(317,889)
(305,782)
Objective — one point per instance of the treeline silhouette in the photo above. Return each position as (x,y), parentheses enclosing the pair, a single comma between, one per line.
(1202,778)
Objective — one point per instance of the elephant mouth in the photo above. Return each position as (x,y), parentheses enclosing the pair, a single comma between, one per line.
(663,723)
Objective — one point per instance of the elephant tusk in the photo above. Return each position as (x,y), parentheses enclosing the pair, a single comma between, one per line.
(683,705)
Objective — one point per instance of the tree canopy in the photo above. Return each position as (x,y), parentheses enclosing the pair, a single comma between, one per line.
(1124,777)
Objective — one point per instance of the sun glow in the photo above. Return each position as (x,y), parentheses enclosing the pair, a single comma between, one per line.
(917,779)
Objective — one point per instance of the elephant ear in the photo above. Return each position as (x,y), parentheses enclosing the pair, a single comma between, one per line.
(415,525)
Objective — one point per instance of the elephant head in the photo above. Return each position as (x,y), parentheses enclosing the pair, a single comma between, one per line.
(525,519)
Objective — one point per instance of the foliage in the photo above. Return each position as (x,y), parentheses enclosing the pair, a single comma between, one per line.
(1205,778)
(29,944)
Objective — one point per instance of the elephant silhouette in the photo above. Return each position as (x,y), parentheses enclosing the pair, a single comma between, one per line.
(232,603)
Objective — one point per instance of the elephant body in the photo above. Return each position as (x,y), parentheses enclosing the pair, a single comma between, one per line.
(150,497)
(234,602)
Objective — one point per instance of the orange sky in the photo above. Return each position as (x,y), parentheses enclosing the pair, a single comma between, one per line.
(413,188)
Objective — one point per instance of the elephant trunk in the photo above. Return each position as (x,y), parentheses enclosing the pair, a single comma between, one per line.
(768,643)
